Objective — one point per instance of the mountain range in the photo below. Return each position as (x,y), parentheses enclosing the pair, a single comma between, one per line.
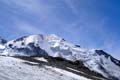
(57,57)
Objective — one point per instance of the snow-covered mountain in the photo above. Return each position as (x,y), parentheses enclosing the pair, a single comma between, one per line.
(53,46)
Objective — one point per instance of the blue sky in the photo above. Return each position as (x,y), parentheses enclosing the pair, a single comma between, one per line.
(89,23)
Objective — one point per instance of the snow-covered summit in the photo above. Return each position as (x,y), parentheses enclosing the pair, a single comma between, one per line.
(52,45)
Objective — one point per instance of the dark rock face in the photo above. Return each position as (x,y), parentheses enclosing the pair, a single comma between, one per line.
(37,50)
(101,52)
(29,49)
(2,41)
(20,39)
(77,45)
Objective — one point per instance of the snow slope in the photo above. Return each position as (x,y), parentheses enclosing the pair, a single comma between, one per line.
(52,45)
(16,69)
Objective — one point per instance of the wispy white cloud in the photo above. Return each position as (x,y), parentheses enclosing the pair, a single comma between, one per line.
(72,6)
(35,7)
(26,27)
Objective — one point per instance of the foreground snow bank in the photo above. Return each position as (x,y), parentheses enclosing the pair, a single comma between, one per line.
(15,69)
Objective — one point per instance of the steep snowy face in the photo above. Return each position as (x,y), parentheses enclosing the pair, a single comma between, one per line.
(106,55)
(60,48)
(52,45)
(105,64)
